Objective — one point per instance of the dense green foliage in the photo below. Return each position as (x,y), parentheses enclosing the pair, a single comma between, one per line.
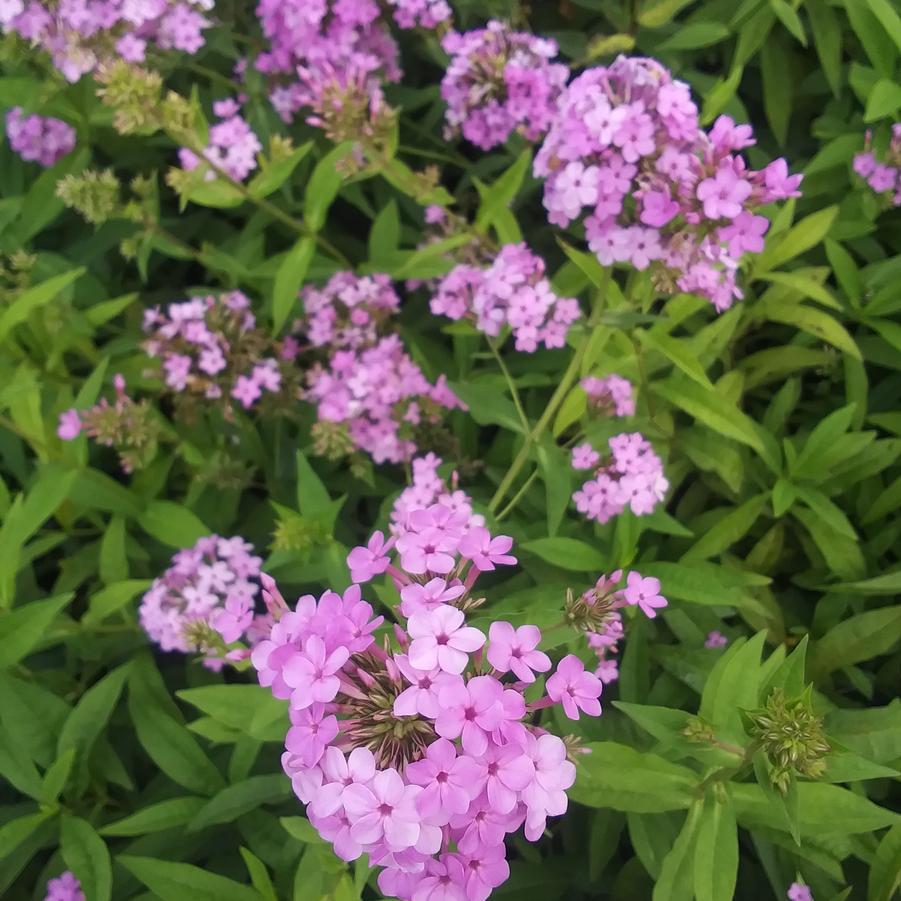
(779,423)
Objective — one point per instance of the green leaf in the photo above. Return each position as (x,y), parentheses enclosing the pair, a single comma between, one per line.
(805,285)
(885,869)
(168,743)
(821,440)
(556,474)
(695,35)
(824,808)
(274,174)
(728,530)
(57,777)
(733,686)
(498,197)
(809,232)
(17,768)
(487,404)
(654,13)
(236,800)
(86,855)
(217,194)
(713,410)
(18,830)
(619,777)
(889,583)
(384,236)
(156,817)
(88,718)
(312,496)
(288,280)
(675,880)
(888,16)
(790,19)
(856,639)
(22,629)
(567,553)
(169,881)
(259,875)
(815,322)
(172,524)
(884,101)
(676,352)
(113,598)
(716,851)
(323,187)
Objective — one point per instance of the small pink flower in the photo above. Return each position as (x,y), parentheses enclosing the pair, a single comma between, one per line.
(645,592)
(69,426)
(449,782)
(515,649)
(312,673)
(385,810)
(716,640)
(471,710)
(584,456)
(575,688)
(484,551)
(311,733)
(367,562)
(416,598)
(441,640)
(799,892)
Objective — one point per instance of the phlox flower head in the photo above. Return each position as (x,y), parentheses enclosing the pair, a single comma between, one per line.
(882,172)
(39,139)
(632,476)
(513,292)
(611,394)
(205,600)
(629,131)
(79,36)
(499,81)
(420,13)
(460,765)
(232,147)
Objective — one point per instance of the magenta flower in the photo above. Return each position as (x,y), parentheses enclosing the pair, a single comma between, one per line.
(339,772)
(311,733)
(311,673)
(337,830)
(504,772)
(515,649)
(449,783)
(444,880)
(584,456)
(416,598)
(724,194)
(799,892)
(64,888)
(441,640)
(484,551)
(645,592)
(367,562)
(472,710)
(716,640)
(69,426)
(575,688)
(546,795)
(422,695)
(385,810)
(485,870)
(246,390)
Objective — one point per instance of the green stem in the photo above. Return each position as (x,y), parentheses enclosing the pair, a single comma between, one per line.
(518,496)
(532,437)
(511,385)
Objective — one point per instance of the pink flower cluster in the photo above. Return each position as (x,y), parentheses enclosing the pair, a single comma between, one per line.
(499,81)
(512,292)
(39,139)
(233,146)
(211,349)
(429,488)
(882,175)
(631,477)
(205,600)
(81,34)
(420,751)
(612,394)
(380,397)
(320,46)
(421,13)
(599,610)
(349,311)
(64,887)
(658,192)
(715,640)
(129,427)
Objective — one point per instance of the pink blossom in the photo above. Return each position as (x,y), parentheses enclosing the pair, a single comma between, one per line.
(367,562)
(484,551)
(440,639)
(312,732)
(575,688)
(69,426)
(449,782)
(515,649)
(645,592)
(385,809)
(472,711)
(312,673)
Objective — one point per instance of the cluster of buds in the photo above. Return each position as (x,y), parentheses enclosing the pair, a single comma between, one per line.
(513,292)
(609,396)
(791,736)
(370,396)
(420,750)
(596,614)
(205,602)
(632,476)
(882,173)
(16,269)
(211,350)
(131,428)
